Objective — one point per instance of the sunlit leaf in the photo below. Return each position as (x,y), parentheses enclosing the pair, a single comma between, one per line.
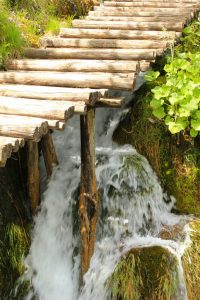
(159,112)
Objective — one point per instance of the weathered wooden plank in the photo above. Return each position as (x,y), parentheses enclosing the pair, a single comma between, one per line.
(89,96)
(103,43)
(145,4)
(101,17)
(33,181)
(22,127)
(76,65)
(49,154)
(128,25)
(163,1)
(110,102)
(14,143)
(154,10)
(167,18)
(73,79)
(88,205)
(116,34)
(53,110)
(124,54)
(5,153)
(144,65)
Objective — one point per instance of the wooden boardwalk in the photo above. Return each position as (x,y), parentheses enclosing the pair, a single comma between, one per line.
(73,72)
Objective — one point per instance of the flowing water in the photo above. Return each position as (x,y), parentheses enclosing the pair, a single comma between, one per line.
(133,210)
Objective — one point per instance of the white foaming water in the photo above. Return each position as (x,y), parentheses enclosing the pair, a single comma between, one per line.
(133,209)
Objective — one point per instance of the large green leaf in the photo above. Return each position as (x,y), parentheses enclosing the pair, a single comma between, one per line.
(151,75)
(156,103)
(162,91)
(178,125)
(195,124)
(193,133)
(159,112)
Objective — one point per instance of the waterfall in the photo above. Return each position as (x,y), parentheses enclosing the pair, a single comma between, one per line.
(133,210)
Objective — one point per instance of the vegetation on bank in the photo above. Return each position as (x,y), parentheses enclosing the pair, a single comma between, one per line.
(174,157)
(22,23)
(148,273)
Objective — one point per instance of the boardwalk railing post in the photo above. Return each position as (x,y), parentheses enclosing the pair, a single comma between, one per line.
(88,207)
(49,153)
(33,175)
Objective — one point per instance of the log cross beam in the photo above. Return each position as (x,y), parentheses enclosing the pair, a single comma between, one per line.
(88,206)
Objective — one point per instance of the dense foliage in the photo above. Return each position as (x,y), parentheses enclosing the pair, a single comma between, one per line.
(23,22)
(11,41)
(176,99)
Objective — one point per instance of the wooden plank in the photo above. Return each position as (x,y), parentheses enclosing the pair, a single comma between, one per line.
(148,4)
(163,1)
(49,154)
(154,10)
(128,25)
(167,17)
(89,96)
(33,181)
(118,54)
(102,43)
(88,205)
(144,65)
(76,65)
(5,153)
(14,143)
(73,79)
(53,110)
(110,102)
(101,17)
(116,34)
(22,127)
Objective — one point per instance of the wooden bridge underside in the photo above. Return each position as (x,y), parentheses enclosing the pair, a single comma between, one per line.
(74,74)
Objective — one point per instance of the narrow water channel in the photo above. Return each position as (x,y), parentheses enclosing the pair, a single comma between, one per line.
(133,210)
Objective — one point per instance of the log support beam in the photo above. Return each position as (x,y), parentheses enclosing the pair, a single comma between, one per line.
(88,207)
(33,176)
(49,154)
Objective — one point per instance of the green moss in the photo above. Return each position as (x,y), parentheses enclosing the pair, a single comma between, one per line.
(191,262)
(11,40)
(145,273)
(13,246)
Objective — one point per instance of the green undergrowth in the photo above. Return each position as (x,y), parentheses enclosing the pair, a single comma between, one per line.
(13,247)
(191,262)
(11,40)
(24,22)
(174,157)
(145,273)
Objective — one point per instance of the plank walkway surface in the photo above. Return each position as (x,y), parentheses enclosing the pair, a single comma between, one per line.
(74,71)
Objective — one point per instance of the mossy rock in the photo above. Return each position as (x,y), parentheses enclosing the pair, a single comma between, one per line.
(175,159)
(191,262)
(148,273)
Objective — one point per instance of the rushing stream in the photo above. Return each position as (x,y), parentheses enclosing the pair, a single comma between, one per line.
(133,210)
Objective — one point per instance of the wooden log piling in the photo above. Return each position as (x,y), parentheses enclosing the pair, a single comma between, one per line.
(33,182)
(88,207)
(49,154)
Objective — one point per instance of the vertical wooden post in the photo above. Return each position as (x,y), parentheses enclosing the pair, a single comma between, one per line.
(88,206)
(49,153)
(33,175)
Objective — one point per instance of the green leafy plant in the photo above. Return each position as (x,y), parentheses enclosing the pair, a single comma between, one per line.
(177,100)
(11,41)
